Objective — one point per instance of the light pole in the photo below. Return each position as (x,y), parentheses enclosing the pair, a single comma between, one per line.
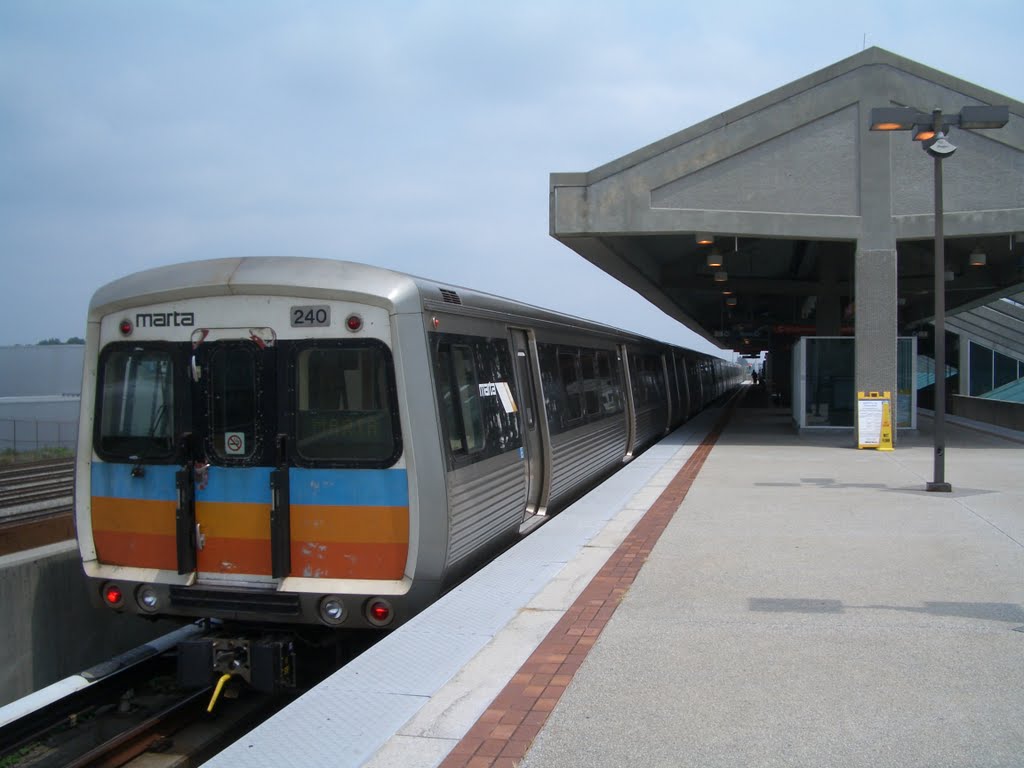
(932,129)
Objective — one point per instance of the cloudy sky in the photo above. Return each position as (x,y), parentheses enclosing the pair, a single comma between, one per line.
(415,135)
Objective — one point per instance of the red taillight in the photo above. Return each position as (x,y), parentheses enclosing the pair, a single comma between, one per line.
(354,323)
(113,595)
(125,327)
(379,612)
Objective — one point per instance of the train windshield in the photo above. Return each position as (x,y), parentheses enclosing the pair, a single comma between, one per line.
(346,405)
(136,419)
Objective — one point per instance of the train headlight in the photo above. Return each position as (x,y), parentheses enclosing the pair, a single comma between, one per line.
(113,595)
(147,599)
(332,610)
(378,612)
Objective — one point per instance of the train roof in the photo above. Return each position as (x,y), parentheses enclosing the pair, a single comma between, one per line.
(320,278)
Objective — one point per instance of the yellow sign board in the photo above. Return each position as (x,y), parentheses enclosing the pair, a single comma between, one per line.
(874,420)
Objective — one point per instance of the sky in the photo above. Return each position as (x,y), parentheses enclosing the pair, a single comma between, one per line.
(417,136)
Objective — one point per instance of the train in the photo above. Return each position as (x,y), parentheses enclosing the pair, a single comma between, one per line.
(290,447)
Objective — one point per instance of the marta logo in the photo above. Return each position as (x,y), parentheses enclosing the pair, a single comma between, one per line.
(164,319)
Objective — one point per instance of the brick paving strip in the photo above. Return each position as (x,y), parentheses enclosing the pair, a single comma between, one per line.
(505,731)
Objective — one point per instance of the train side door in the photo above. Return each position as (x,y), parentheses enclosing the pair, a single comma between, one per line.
(534,436)
(235,454)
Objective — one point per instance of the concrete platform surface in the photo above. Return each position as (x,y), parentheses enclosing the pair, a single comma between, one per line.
(810,604)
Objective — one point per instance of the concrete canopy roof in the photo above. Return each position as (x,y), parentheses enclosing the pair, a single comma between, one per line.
(791,184)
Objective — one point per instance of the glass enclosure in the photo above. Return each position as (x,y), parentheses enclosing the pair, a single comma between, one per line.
(823,383)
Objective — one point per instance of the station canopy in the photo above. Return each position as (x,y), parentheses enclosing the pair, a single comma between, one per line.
(784,189)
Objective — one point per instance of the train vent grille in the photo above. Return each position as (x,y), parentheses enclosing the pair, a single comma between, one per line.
(276,603)
(450,297)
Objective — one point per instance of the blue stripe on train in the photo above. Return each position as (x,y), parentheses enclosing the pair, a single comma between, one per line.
(350,487)
(116,481)
(343,487)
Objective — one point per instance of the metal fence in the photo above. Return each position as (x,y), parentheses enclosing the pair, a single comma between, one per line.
(26,435)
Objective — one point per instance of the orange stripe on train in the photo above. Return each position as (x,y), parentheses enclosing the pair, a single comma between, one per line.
(366,525)
(116,515)
(232,520)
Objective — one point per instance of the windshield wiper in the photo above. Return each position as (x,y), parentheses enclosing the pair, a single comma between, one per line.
(138,470)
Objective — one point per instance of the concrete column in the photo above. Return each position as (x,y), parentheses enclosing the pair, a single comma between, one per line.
(875,356)
(875,263)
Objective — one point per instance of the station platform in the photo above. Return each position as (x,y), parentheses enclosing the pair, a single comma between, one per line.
(738,595)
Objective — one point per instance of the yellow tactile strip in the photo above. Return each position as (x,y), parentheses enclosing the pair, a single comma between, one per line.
(505,731)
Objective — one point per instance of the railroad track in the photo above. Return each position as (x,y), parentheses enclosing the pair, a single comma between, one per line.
(23,485)
(130,709)
(36,501)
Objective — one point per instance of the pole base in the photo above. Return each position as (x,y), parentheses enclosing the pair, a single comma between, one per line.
(939,487)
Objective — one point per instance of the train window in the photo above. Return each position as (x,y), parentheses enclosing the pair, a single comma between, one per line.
(573,385)
(345,404)
(578,393)
(467,398)
(453,426)
(233,401)
(649,379)
(136,404)
(609,392)
(591,384)
(476,403)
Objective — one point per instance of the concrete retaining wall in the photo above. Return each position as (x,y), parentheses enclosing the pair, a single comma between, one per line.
(49,629)
(998,412)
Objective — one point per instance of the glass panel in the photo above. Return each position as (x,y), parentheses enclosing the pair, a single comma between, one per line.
(1004,370)
(233,401)
(981,369)
(137,404)
(649,379)
(591,384)
(573,386)
(469,398)
(344,405)
(904,382)
(608,389)
(830,395)
(444,386)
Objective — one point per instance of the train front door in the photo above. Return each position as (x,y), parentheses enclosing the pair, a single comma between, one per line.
(235,456)
(534,437)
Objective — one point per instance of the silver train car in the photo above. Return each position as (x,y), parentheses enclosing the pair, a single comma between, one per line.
(287,443)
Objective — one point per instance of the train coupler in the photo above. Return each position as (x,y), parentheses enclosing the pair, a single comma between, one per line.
(267,663)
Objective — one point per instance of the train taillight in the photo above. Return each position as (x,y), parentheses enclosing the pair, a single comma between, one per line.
(113,596)
(354,323)
(378,612)
(125,327)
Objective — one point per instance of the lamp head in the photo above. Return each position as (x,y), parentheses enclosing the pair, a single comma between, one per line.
(940,146)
